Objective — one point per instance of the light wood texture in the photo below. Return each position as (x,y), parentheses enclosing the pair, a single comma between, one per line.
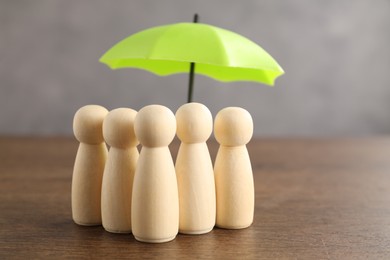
(89,165)
(194,170)
(155,201)
(315,199)
(233,129)
(117,186)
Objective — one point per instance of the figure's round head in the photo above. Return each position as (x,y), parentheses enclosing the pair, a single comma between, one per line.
(87,124)
(233,126)
(155,126)
(194,123)
(118,128)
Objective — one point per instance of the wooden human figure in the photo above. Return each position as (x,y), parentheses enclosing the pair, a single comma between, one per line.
(194,170)
(233,129)
(118,132)
(89,165)
(155,201)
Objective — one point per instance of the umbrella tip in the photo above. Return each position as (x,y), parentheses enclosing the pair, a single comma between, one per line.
(196,16)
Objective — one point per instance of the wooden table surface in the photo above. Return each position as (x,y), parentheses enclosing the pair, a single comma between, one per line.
(315,199)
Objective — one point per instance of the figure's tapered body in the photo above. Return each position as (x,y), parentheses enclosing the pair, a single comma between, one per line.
(118,131)
(155,197)
(155,201)
(194,170)
(235,192)
(232,169)
(89,165)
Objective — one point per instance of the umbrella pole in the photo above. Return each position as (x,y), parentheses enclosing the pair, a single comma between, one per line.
(192,70)
(191,82)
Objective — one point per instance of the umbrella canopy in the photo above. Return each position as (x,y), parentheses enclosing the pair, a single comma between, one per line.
(218,53)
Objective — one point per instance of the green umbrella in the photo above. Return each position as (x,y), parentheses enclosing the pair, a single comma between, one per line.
(176,48)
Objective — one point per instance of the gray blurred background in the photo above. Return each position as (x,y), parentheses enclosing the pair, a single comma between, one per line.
(335,54)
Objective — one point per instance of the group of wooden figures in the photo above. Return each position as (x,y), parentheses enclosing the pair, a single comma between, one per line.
(146,193)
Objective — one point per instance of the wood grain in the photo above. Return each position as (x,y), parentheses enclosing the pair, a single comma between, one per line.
(315,199)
